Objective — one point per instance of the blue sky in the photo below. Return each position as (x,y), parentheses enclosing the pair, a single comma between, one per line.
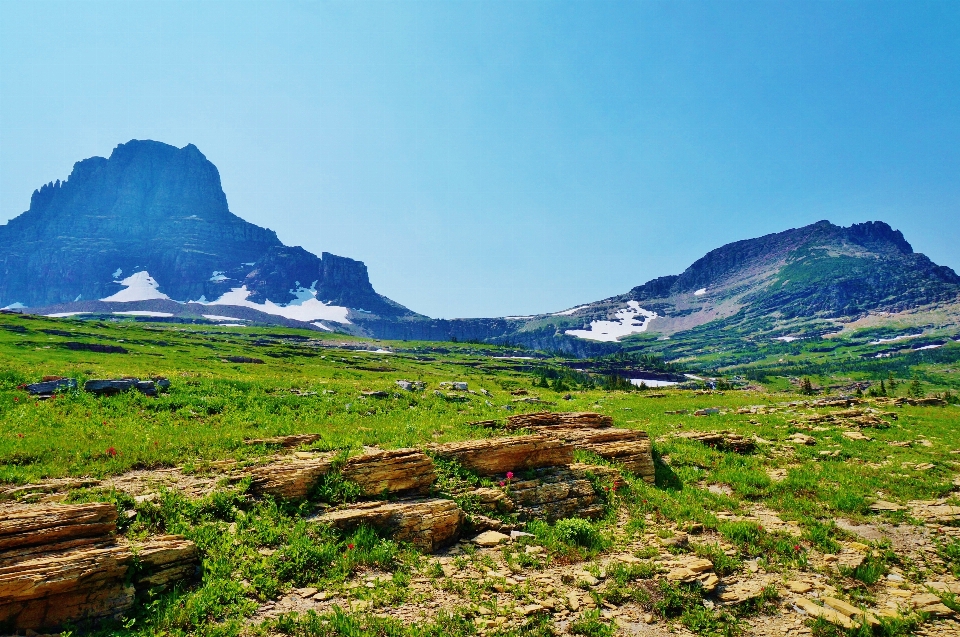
(496,158)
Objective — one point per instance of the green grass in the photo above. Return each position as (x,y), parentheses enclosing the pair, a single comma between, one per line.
(253,550)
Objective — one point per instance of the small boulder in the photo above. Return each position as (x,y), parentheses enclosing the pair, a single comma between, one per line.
(50,387)
(490,538)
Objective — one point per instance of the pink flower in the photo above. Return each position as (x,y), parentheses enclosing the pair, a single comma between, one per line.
(509,475)
(502,483)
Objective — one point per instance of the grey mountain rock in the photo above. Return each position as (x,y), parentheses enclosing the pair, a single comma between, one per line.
(157,208)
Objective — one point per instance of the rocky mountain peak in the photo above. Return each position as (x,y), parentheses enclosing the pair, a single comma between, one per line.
(152,207)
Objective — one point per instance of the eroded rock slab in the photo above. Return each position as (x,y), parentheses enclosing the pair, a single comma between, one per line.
(561,419)
(556,493)
(427,523)
(376,471)
(61,563)
(495,456)
(34,525)
(721,440)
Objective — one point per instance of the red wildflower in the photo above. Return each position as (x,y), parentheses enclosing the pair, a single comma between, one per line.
(503,483)
(16,399)
(350,547)
(19,435)
(509,475)
(796,547)
(111,452)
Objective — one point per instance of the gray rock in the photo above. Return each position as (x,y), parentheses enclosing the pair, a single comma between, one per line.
(52,386)
(106,387)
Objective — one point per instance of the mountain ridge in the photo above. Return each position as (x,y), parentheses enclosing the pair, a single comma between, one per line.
(149,231)
(152,207)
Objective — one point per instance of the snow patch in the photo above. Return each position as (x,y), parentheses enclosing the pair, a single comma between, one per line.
(139,286)
(787,339)
(700,292)
(917,349)
(321,326)
(305,308)
(894,339)
(218,317)
(145,313)
(64,314)
(626,324)
(218,276)
(15,306)
(652,383)
(570,311)
(117,273)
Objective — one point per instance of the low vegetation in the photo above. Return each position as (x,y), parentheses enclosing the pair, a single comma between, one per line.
(772,511)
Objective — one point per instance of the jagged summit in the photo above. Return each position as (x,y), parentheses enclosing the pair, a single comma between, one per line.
(154,208)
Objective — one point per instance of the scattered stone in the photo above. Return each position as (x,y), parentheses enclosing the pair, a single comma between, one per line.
(95,347)
(243,359)
(856,435)
(802,439)
(883,505)
(33,491)
(490,538)
(51,386)
(295,440)
(110,387)
(721,440)
(374,394)
(709,411)
(677,539)
(800,588)
(828,614)
(411,385)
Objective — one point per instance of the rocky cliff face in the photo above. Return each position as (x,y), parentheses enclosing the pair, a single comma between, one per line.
(155,208)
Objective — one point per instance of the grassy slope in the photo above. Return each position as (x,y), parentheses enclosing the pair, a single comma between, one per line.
(212,406)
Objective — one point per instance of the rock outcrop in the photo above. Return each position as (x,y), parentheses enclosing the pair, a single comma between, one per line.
(493,456)
(594,433)
(375,471)
(428,523)
(555,493)
(61,563)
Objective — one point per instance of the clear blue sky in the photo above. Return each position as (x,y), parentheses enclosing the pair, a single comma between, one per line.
(492,158)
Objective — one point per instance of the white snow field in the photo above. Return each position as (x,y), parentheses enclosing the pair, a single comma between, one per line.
(145,313)
(626,324)
(139,286)
(700,292)
(570,311)
(652,383)
(305,308)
